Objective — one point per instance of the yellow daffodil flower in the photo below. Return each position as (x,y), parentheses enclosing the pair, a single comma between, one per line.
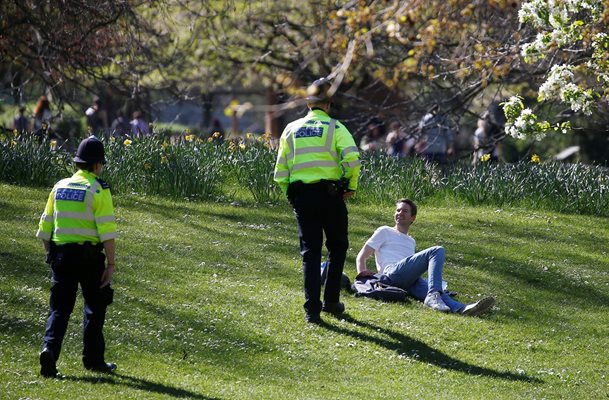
(535,158)
(485,158)
(127,142)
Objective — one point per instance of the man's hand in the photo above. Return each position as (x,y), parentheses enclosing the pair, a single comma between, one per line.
(364,274)
(106,278)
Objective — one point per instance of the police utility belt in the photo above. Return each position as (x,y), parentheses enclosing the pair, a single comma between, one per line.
(333,188)
(84,249)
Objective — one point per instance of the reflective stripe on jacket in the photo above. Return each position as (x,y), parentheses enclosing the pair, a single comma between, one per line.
(316,148)
(79,209)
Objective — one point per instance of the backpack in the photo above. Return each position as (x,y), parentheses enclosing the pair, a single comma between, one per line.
(378,287)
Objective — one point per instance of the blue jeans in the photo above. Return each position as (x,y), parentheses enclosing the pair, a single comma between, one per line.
(406,274)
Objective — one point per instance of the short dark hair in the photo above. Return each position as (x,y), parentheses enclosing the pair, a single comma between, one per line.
(85,166)
(413,207)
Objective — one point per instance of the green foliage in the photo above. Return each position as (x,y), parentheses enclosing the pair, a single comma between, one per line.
(560,187)
(386,179)
(253,165)
(151,166)
(192,168)
(25,161)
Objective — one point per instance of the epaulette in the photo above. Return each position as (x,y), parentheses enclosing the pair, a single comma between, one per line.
(103,184)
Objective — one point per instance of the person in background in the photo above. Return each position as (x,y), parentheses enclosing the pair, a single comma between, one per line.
(394,251)
(78,230)
(485,140)
(20,122)
(139,127)
(437,140)
(397,143)
(120,126)
(96,118)
(374,139)
(42,113)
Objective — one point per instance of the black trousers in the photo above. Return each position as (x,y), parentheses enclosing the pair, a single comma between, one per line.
(73,265)
(320,209)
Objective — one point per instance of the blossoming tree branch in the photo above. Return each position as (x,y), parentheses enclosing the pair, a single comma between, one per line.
(571,40)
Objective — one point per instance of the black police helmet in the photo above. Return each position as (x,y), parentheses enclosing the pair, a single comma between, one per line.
(90,151)
(318,91)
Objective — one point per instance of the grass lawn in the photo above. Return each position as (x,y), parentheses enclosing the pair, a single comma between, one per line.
(208,305)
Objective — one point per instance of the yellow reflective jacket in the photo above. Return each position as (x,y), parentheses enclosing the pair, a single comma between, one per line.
(79,209)
(316,148)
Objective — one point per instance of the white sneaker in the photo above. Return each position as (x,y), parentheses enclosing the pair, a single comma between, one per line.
(434,301)
(479,307)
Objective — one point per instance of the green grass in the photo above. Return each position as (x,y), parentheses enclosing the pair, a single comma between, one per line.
(208,305)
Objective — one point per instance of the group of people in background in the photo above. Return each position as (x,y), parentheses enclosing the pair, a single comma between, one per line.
(433,139)
(41,121)
(97,122)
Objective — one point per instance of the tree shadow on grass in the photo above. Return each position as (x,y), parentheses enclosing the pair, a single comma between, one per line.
(141,384)
(401,344)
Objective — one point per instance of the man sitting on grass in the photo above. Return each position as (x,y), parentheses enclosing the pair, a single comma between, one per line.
(394,251)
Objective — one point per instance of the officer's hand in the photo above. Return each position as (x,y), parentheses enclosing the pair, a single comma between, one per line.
(347,195)
(106,278)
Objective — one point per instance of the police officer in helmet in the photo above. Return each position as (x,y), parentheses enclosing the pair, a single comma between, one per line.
(78,229)
(317,168)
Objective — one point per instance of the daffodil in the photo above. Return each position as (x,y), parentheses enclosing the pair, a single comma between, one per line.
(189,138)
(210,139)
(216,135)
(147,165)
(127,142)
(164,160)
(242,146)
(112,139)
(248,135)
(535,158)
(485,158)
(53,144)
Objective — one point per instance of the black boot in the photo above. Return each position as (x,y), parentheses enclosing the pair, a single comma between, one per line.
(333,308)
(48,368)
(106,368)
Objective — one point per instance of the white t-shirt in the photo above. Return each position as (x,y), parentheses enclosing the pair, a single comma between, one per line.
(390,246)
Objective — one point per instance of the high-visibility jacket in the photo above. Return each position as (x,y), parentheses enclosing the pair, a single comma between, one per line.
(316,148)
(79,209)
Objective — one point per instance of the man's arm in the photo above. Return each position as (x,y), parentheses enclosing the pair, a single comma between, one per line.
(361,259)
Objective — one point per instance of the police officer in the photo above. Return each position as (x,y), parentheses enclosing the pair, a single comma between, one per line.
(318,168)
(78,229)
